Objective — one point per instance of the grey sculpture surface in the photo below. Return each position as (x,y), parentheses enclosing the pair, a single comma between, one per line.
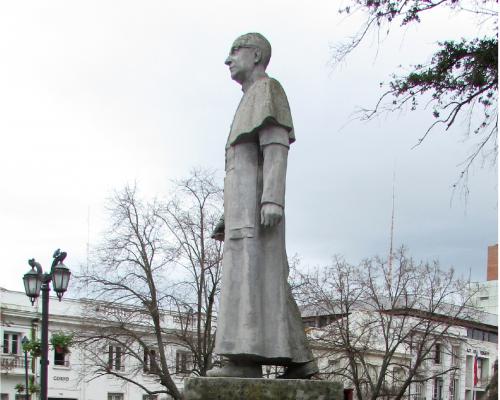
(258,321)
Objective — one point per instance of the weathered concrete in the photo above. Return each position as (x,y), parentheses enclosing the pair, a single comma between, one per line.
(260,389)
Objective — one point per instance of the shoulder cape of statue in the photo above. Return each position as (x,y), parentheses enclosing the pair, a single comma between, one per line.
(264,103)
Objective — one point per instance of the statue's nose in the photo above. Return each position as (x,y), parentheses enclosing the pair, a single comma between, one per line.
(228,60)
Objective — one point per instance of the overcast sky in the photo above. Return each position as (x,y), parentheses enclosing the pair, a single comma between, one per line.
(98,94)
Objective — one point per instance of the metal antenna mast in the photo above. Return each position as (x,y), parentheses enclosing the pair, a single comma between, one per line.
(391,241)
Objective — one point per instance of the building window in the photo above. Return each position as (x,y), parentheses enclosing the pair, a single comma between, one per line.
(150,365)
(398,376)
(455,356)
(4,396)
(21,397)
(372,372)
(11,343)
(115,396)
(437,353)
(149,397)
(323,320)
(115,358)
(454,389)
(61,358)
(419,391)
(438,389)
(477,334)
(183,362)
(481,379)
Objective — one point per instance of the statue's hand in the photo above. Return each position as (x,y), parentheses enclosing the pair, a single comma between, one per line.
(270,214)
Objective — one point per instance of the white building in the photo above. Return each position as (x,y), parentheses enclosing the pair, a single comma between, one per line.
(485,294)
(460,365)
(68,376)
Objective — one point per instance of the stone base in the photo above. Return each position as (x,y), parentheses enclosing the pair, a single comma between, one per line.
(260,389)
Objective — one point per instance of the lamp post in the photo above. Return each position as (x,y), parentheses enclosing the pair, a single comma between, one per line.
(36,280)
(25,341)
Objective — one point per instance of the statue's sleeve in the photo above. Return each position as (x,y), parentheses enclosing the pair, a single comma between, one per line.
(274,146)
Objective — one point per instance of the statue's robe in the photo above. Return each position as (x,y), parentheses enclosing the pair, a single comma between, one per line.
(258,318)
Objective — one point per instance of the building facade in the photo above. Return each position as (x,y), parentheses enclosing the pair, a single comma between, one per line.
(485,294)
(69,375)
(458,367)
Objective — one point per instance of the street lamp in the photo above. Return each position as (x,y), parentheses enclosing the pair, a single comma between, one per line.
(25,341)
(32,282)
(36,280)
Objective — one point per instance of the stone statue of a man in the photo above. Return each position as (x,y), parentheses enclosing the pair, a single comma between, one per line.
(258,322)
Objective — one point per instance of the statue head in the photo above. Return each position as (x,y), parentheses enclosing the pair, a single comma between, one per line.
(250,52)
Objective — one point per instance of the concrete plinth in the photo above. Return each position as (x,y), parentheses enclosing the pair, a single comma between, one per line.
(260,389)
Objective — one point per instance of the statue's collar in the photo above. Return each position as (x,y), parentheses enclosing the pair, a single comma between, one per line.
(245,88)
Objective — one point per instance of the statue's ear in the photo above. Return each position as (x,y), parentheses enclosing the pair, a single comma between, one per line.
(258,56)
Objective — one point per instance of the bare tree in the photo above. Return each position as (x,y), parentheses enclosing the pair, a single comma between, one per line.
(492,388)
(191,217)
(384,323)
(142,305)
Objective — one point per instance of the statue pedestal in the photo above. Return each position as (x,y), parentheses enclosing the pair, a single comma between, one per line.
(260,389)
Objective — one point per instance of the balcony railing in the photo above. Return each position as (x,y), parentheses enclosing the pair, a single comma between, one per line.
(483,382)
(11,361)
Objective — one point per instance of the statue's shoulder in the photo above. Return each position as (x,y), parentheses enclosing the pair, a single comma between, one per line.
(274,84)
(267,86)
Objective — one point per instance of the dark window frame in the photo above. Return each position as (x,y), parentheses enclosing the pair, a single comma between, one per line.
(437,353)
(11,343)
(183,362)
(116,358)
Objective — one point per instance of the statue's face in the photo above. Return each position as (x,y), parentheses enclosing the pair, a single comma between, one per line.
(241,60)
